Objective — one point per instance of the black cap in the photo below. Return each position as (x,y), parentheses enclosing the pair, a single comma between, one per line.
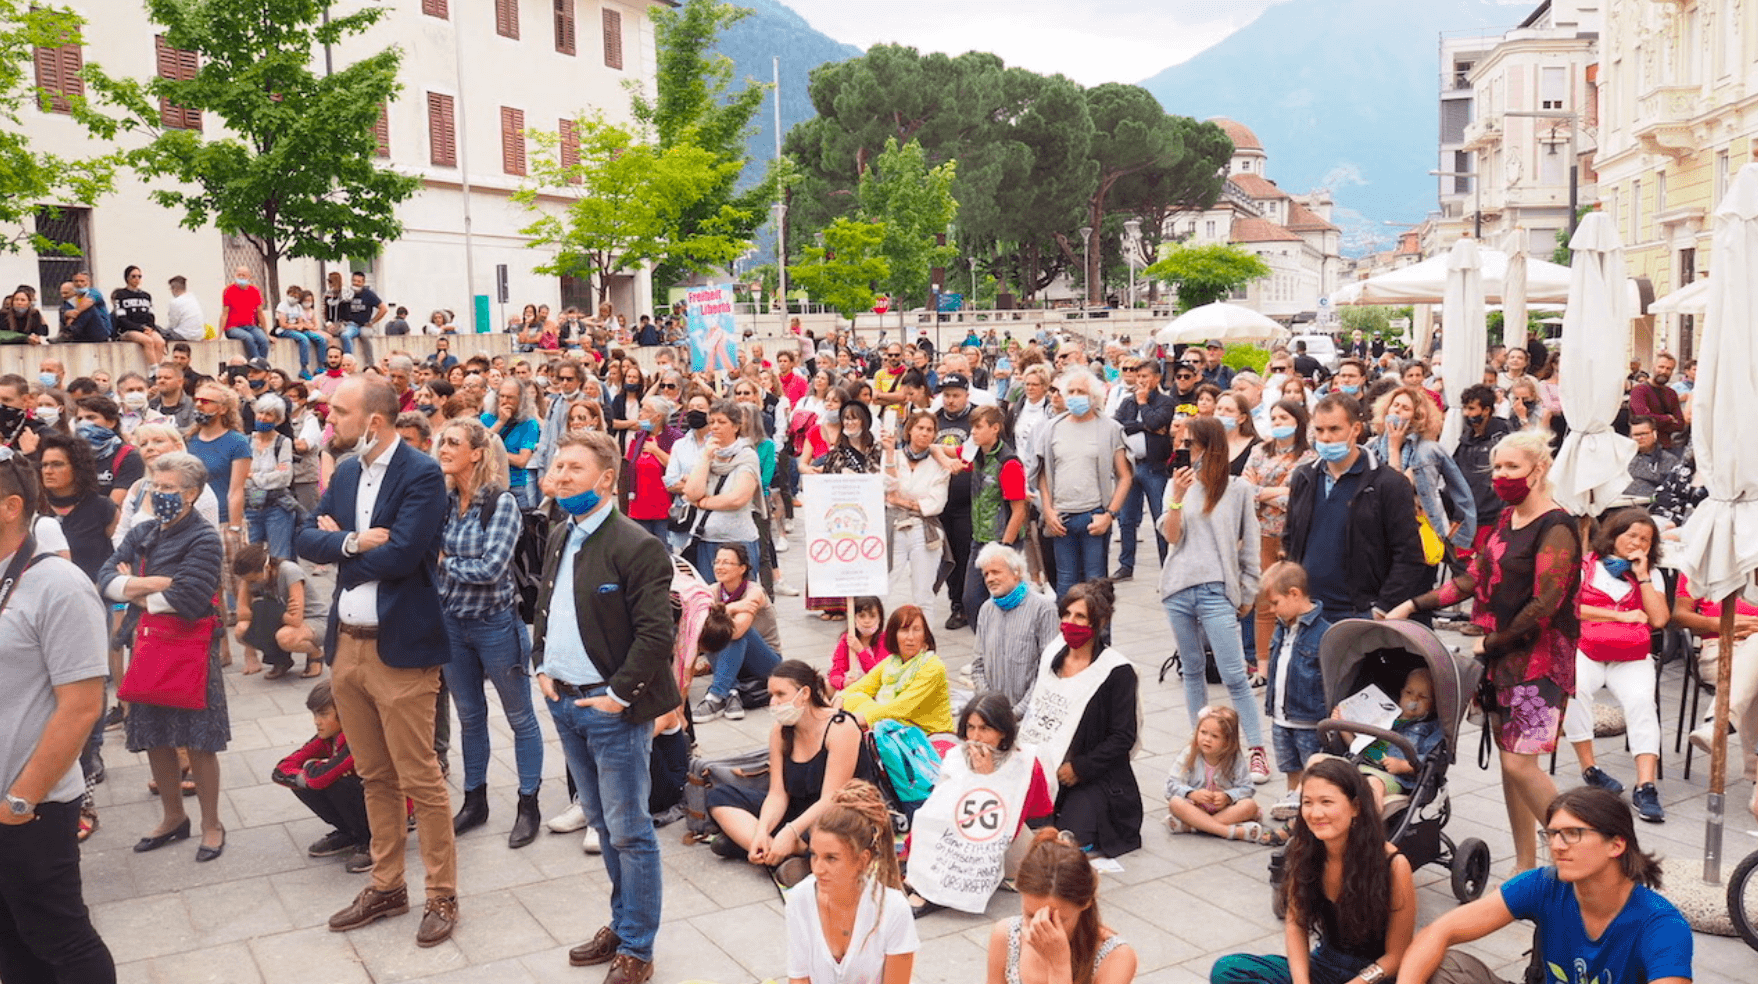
(954,380)
(260,364)
(1214,343)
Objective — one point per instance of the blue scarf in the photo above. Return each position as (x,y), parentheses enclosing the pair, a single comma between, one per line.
(1009,601)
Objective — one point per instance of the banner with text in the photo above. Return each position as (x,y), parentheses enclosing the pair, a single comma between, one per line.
(712,330)
(846,536)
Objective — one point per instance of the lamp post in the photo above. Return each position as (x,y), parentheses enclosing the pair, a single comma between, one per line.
(1132,254)
(1571,118)
(973,261)
(1086,267)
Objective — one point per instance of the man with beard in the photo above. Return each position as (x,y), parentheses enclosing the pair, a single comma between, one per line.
(1658,401)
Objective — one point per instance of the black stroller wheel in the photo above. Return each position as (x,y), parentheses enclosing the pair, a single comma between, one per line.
(1470,869)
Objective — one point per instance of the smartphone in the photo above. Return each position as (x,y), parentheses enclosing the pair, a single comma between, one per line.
(1180,458)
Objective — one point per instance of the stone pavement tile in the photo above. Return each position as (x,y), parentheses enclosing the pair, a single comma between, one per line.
(494,866)
(952,960)
(1218,923)
(265,803)
(387,950)
(730,883)
(250,852)
(1172,975)
(1156,944)
(508,971)
(231,963)
(304,956)
(755,935)
(134,972)
(287,731)
(248,736)
(234,911)
(570,910)
(684,953)
(949,922)
(149,926)
(496,926)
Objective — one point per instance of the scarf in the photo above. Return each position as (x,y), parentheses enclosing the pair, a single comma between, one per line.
(1011,600)
(721,461)
(914,455)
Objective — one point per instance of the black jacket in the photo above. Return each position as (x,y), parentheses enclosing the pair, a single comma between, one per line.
(1473,458)
(1383,550)
(1155,419)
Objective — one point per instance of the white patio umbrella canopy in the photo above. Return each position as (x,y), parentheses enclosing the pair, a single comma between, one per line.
(1514,292)
(1221,321)
(1690,299)
(1593,466)
(1425,282)
(1465,338)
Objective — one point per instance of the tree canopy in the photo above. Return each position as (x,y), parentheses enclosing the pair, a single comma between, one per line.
(914,206)
(841,273)
(1206,274)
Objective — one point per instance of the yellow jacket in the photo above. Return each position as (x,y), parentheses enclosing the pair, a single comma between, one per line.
(922,699)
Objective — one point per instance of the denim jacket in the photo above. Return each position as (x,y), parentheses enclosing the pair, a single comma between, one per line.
(1306,684)
(1436,473)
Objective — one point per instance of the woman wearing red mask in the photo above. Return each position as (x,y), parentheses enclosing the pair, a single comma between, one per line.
(1524,584)
(1084,719)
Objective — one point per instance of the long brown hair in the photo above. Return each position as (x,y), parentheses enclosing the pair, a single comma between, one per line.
(1208,436)
(1610,816)
(1364,907)
(1054,868)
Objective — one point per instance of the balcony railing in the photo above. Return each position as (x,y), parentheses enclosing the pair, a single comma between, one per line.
(1485,131)
(1663,118)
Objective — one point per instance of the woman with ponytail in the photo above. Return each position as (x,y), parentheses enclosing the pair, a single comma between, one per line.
(1058,936)
(848,922)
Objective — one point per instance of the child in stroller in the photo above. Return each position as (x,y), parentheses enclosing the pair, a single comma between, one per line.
(1385,764)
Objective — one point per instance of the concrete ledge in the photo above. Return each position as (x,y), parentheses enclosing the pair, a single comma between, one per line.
(116,358)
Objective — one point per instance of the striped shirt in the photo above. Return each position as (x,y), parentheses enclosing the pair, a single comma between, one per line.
(476,571)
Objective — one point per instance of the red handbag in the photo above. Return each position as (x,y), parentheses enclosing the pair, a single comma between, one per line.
(170,664)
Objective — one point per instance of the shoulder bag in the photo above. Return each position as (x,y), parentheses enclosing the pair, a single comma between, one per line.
(170,663)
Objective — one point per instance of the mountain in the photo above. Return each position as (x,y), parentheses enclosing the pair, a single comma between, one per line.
(775,30)
(1343,94)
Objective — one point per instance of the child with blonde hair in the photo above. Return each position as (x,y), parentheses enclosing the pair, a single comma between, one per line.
(1211,792)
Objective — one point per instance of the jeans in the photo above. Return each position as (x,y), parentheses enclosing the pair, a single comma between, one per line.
(350,332)
(749,651)
(272,525)
(527,495)
(493,648)
(342,805)
(1080,556)
(1149,484)
(1203,610)
(256,344)
(46,932)
(658,528)
(611,759)
(308,341)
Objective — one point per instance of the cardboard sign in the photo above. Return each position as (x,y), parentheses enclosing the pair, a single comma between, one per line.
(846,536)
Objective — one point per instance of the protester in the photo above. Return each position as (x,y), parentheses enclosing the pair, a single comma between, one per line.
(1014,627)
(999,500)
(1059,935)
(1267,470)
(916,490)
(320,773)
(1082,480)
(71,494)
(1402,418)
(849,921)
(1211,790)
(746,642)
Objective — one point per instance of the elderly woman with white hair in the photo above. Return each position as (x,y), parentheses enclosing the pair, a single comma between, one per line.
(169,573)
(1014,627)
(645,462)
(517,422)
(270,511)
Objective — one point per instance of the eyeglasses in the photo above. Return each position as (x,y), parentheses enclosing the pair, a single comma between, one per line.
(1570,836)
(199,401)
(668,386)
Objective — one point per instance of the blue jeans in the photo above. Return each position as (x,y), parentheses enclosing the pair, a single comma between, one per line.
(1080,556)
(1149,484)
(1203,610)
(350,331)
(610,759)
(658,528)
(493,648)
(749,650)
(272,525)
(256,344)
(308,342)
(527,495)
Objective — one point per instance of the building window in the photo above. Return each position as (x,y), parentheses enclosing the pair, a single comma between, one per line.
(1245,165)
(1636,211)
(1455,116)
(58,75)
(564,26)
(512,140)
(179,66)
(1659,192)
(435,8)
(1209,229)
(570,147)
(381,132)
(506,18)
(442,130)
(1721,175)
(1553,87)
(613,39)
(66,227)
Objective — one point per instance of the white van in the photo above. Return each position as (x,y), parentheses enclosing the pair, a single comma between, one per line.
(1321,347)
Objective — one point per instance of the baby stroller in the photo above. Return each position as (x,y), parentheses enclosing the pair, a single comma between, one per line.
(1358,652)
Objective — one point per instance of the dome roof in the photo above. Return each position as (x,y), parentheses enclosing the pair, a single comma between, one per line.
(1239,133)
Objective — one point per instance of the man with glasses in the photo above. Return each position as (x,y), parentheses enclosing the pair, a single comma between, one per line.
(50,697)
(568,378)
(1185,379)
(886,391)
(1598,913)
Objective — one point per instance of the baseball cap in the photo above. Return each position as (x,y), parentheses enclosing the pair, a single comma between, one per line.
(1214,343)
(260,364)
(954,380)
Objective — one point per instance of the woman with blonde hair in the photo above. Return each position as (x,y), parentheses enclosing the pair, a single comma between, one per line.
(848,922)
(1401,419)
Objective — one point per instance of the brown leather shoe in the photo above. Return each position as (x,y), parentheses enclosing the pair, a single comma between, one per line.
(437,922)
(629,970)
(599,949)
(370,906)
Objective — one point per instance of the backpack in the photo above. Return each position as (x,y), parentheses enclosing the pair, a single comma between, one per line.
(907,760)
(527,566)
(748,769)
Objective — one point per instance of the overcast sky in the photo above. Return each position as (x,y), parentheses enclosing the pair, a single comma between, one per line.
(1090,41)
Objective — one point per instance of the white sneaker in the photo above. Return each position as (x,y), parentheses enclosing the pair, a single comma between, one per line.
(1288,807)
(567,821)
(781,544)
(590,844)
(787,590)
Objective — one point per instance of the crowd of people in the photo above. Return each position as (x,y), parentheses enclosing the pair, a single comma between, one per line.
(426,527)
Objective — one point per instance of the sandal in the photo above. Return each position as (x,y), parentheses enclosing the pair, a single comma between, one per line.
(831,616)
(313,667)
(1250,830)
(88,822)
(1178,826)
(919,906)
(1273,836)
(188,785)
(1257,680)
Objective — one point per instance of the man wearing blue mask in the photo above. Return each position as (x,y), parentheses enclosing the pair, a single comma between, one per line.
(602,647)
(1352,520)
(1083,477)
(1350,379)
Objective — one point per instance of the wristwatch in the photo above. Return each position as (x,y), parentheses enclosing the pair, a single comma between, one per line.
(20,806)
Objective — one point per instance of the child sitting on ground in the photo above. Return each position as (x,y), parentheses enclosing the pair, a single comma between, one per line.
(1294,700)
(1384,765)
(869,644)
(1212,790)
(321,773)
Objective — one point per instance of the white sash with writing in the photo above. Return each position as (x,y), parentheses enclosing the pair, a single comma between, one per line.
(960,835)
(1057,706)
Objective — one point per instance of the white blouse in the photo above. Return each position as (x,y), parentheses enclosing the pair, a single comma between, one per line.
(879,931)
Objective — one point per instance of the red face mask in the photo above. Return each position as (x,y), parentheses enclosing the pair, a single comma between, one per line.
(1512,491)
(1076,635)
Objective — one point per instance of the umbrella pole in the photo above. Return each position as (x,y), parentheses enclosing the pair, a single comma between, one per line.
(1712,824)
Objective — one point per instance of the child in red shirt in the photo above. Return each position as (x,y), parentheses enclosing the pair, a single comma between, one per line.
(321,773)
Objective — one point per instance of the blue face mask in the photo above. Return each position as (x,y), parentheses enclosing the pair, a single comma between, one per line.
(264,427)
(48,379)
(96,433)
(647,426)
(1332,450)
(1283,432)
(1393,420)
(166,506)
(1009,601)
(240,281)
(1079,404)
(1350,390)
(580,505)
(1231,423)
(1616,566)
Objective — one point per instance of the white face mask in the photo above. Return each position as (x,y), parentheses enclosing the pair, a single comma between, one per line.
(787,713)
(134,399)
(49,415)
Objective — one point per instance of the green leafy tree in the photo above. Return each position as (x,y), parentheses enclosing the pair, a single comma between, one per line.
(625,201)
(293,168)
(695,106)
(914,205)
(841,274)
(1130,136)
(30,177)
(1206,274)
(1188,179)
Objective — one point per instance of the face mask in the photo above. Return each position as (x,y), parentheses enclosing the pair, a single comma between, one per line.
(1283,432)
(257,384)
(264,427)
(647,426)
(543,382)
(240,281)
(96,433)
(1076,635)
(851,429)
(22,308)
(49,415)
(1512,491)
(1473,419)
(427,409)
(1009,601)
(203,418)
(580,505)
(48,379)
(334,372)
(166,506)
(1079,404)
(1350,390)
(1230,423)
(697,419)
(1616,566)
(134,400)
(11,420)
(787,714)
(1332,450)
(632,387)
(1393,421)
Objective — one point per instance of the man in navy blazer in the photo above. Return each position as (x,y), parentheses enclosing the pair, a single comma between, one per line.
(380,522)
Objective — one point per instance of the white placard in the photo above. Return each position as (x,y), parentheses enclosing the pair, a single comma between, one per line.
(1370,707)
(846,536)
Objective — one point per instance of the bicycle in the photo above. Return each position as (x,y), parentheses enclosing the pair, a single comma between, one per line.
(1742,899)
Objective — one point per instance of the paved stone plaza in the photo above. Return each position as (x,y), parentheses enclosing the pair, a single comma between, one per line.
(258,914)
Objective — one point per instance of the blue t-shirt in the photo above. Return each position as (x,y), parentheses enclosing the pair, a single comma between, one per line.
(523,436)
(218,455)
(1646,941)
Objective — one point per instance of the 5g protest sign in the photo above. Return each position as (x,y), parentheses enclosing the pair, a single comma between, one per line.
(845,535)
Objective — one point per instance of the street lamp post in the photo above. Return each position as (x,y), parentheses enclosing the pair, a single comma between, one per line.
(1562,116)
(973,283)
(1132,254)
(1086,267)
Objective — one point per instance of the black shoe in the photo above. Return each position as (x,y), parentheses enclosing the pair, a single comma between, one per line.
(206,853)
(113,719)
(331,844)
(728,848)
(526,823)
(177,833)
(474,812)
(1124,574)
(96,778)
(956,621)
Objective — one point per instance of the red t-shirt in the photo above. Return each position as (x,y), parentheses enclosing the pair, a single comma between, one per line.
(242,305)
(1711,607)
(1012,480)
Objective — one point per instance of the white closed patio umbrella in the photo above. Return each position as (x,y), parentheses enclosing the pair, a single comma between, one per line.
(1593,466)
(1466,340)
(1719,543)
(1514,291)
(1222,322)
